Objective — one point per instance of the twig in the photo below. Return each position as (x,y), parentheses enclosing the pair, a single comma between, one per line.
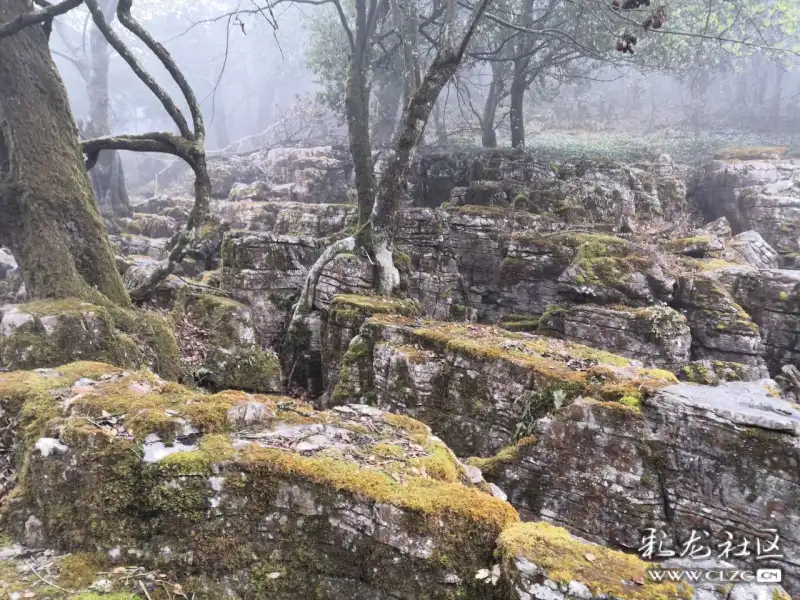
(144,589)
(32,567)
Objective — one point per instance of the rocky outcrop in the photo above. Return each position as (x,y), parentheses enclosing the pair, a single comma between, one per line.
(772,298)
(543,562)
(49,333)
(258,495)
(657,336)
(218,345)
(721,329)
(760,195)
(480,387)
(690,457)
(573,191)
(315,175)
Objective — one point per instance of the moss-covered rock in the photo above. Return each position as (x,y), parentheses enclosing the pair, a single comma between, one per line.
(52,332)
(347,313)
(532,552)
(478,387)
(261,494)
(218,345)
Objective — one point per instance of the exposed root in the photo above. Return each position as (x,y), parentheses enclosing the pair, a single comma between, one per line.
(306,301)
(388,274)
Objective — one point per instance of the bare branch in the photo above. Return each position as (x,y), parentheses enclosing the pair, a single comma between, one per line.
(159,92)
(127,20)
(35,17)
(157,141)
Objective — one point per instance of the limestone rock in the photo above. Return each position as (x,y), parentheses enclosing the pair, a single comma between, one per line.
(657,336)
(350,503)
(52,333)
(218,343)
(479,387)
(691,457)
(772,297)
(749,248)
(760,195)
(543,562)
(721,329)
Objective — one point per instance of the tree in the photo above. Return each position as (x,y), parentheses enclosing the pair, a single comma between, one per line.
(89,253)
(378,213)
(49,219)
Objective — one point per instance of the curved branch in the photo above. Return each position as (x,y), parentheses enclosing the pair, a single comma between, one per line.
(159,92)
(127,20)
(167,143)
(35,17)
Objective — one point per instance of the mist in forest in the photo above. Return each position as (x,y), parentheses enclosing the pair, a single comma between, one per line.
(278,80)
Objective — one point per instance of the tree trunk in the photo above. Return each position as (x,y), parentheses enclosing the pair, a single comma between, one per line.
(357,107)
(392,186)
(493,99)
(388,95)
(516,115)
(49,219)
(107,176)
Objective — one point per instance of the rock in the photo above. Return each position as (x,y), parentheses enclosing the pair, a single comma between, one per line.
(150,225)
(749,248)
(479,386)
(52,333)
(131,244)
(375,507)
(721,329)
(218,343)
(285,218)
(8,263)
(699,246)
(347,314)
(544,562)
(760,195)
(713,372)
(720,458)
(314,175)
(772,297)
(657,336)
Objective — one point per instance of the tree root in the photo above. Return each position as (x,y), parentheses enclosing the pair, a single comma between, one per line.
(306,301)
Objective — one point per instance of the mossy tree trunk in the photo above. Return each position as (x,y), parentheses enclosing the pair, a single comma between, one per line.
(49,219)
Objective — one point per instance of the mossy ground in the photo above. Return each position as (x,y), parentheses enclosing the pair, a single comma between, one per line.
(563,559)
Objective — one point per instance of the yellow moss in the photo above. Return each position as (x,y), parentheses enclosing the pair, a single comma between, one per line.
(749,152)
(439,464)
(658,374)
(384,450)
(563,558)
(80,570)
(427,496)
(407,424)
(376,304)
(505,456)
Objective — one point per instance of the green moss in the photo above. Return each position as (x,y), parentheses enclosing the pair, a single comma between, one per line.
(439,464)
(479,210)
(80,570)
(631,401)
(492,465)
(563,558)
(783,296)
